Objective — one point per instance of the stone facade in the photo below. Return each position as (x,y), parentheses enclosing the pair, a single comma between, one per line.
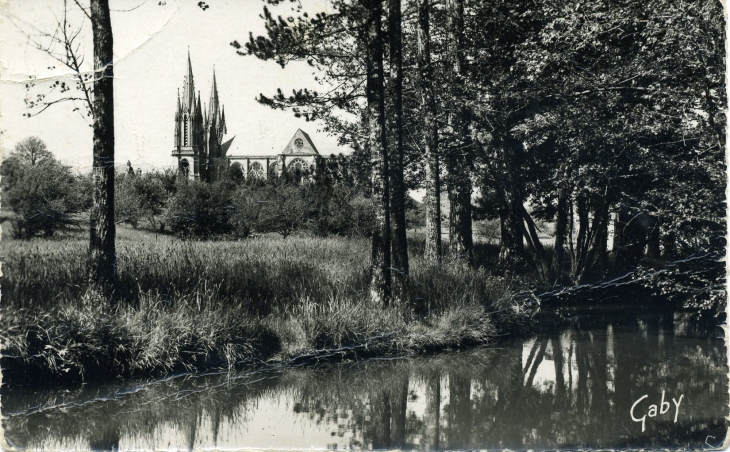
(199,131)
(299,154)
(202,153)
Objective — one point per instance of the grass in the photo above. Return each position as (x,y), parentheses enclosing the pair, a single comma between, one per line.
(189,306)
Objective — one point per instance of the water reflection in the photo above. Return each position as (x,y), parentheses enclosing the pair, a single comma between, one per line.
(572,384)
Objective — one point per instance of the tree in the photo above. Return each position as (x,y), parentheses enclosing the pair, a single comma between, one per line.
(248,204)
(102,249)
(33,151)
(282,210)
(140,197)
(234,173)
(127,204)
(373,38)
(397,184)
(430,131)
(44,196)
(200,210)
(99,103)
(459,155)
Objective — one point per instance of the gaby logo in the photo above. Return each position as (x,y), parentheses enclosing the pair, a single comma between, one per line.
(663,408)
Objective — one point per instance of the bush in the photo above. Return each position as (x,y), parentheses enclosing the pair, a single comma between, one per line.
(246,213)
(283,209)
(141,197)
(46,197)
(200,210)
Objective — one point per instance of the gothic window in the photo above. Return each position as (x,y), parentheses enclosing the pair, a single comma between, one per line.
(298,165)
(273,170)
(256,171)
(185,121)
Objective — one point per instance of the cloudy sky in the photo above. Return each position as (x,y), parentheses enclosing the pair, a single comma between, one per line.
(151,41)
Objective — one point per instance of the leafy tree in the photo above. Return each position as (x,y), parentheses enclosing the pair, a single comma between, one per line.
(234,173)
(33,151)
(141,197)
(283,209)
(247,205)
(43,196)
(127,205)
(199,210)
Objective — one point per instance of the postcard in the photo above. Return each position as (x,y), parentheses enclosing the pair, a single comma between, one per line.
(363,224)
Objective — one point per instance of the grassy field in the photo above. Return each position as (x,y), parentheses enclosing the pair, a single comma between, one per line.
(188,306)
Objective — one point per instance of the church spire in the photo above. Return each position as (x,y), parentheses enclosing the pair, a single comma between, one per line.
(214,100)
(222,125)
(189,89)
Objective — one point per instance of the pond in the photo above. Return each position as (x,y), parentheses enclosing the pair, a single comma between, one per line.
(570,383)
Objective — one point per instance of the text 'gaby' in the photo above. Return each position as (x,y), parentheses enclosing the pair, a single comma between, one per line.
(663,408)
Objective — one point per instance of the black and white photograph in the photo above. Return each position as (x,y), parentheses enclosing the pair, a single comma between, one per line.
(363,224)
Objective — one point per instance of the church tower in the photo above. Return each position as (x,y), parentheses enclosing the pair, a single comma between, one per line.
(215,128)
(189,146)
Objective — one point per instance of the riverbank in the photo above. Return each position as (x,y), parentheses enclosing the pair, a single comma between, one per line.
(197,306)
(489,397)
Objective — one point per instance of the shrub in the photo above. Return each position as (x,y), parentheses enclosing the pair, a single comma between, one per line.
(140,197)
(199,210)
(45,197)
(127,207)
(246,213)
(283,209)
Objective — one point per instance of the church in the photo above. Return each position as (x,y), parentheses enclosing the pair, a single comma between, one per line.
(202,152)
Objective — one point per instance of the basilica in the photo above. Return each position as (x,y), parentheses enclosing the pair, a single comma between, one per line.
(201,148)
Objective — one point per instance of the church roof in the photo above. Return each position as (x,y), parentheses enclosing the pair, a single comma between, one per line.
(300,144)
(226,145)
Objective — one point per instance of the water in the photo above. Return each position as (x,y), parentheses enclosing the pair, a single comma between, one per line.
(570,384)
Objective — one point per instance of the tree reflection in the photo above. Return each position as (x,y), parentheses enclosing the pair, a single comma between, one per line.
(570,385)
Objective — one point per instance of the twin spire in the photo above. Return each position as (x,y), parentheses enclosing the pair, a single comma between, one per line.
(190,103)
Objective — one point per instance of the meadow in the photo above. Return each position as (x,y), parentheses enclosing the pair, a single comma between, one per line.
(184,306)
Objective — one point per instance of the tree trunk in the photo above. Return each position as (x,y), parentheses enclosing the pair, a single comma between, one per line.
(102,264)
(581,245)
(512,247)
(459,159)
(533,240)
(398,192)
(430,127)
(595,247)
(630,236)
(561,230)
(380,283)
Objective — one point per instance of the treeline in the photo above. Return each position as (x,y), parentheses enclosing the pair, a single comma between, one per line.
(321,206)
(592,116)
(47,197)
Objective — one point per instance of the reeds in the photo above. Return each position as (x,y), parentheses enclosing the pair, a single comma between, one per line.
(185,306)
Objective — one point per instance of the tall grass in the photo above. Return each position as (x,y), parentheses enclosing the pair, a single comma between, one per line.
(195,305)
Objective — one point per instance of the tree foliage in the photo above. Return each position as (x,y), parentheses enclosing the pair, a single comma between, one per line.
(45,195)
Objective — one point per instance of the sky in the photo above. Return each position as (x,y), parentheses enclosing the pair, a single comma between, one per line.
(151,43)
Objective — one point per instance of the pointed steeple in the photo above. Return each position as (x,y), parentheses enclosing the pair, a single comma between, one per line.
(198,108)
(222,125)
(214,100)
(179,106)
(189,89)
